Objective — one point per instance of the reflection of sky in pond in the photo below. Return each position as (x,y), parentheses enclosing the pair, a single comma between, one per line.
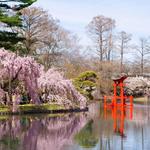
(82,131)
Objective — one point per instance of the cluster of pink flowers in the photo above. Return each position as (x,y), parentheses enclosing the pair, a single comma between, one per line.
(28,71)
(59,89)
(24,69)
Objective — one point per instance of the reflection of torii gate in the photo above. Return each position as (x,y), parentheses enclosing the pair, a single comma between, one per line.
(118,101)
(119,116)
(118,105)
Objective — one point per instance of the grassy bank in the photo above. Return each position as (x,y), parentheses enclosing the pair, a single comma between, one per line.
(42,107)
(32,108)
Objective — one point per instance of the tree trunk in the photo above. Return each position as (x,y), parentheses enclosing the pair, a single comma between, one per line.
(121,63)
(109,47)
(142,64)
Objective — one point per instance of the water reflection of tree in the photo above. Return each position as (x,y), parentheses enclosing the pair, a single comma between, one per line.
(10,143)
(9,133)
(37,133)
(86,138)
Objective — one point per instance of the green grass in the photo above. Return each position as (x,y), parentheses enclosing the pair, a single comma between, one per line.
(4,108)
(38,108)
(27,108)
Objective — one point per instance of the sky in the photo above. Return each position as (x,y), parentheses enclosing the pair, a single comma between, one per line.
(132,16)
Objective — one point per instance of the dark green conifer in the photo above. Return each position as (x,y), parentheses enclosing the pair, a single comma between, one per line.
(9,20)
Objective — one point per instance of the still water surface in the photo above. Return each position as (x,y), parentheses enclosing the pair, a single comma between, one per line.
(93,130)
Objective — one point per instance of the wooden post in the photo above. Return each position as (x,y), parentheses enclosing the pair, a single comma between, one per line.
(121,94)
(114,100)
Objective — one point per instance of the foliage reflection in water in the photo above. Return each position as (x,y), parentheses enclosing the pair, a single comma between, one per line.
(36,133)
(92,131)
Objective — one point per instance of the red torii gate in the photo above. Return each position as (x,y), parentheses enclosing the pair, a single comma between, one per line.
(118,105)
(118,101)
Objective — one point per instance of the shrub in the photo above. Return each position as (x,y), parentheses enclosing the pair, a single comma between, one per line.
(85,83)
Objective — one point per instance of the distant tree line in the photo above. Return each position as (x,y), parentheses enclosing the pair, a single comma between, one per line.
(32,31)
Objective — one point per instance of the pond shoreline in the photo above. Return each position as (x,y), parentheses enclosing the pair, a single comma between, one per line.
(56,111)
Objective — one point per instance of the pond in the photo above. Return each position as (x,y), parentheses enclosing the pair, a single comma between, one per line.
(93,130)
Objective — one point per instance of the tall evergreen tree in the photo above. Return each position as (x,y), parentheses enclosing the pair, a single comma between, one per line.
(9,20)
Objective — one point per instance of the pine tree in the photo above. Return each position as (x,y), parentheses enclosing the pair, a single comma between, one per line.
(10,19)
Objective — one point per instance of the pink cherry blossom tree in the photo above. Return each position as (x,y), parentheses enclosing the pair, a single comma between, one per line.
(24,69)
(59,89)
(52,83)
